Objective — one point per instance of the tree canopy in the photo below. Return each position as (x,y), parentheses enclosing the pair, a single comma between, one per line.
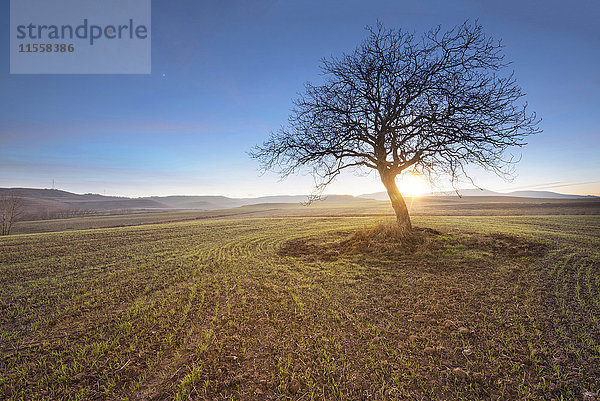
(430,104)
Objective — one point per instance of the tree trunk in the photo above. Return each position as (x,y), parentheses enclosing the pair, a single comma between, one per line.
(402,217)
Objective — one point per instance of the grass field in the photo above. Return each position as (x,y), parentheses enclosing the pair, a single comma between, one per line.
(425,206)
(486,307)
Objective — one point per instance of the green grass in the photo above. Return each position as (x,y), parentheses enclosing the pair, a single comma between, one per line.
(211,309)
(426,206)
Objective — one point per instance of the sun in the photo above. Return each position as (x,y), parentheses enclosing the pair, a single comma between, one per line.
(411,184)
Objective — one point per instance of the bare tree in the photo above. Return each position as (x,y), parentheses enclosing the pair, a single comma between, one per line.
(400,103)
(11,210)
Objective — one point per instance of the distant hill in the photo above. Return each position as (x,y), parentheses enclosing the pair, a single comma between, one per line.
(54,203)
(549,195)
(485,192)
(223,202)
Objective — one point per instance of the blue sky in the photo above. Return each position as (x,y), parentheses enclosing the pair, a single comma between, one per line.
(224,74)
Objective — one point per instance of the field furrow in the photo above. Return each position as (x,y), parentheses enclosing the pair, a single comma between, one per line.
(286,307)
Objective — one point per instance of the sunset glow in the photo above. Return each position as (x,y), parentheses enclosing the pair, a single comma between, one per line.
(411,184)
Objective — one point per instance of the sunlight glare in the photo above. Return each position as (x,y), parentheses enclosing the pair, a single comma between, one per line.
(411,184)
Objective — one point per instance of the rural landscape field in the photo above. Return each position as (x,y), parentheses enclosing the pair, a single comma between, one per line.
(310,200)
(307,307)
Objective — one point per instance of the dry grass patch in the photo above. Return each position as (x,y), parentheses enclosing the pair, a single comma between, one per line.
(387,239)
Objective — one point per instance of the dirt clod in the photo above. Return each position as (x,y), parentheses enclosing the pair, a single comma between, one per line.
(460,373)
(477,377)
(294,386)
(464,330)
(420,318)
(448,324)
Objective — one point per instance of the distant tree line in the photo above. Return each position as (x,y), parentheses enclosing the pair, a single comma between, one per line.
(51,214)
(14,208)
(67,213)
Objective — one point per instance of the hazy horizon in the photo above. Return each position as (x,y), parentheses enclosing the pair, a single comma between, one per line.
(434,193)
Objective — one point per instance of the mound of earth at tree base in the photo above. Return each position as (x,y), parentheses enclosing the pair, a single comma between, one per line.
(388,239)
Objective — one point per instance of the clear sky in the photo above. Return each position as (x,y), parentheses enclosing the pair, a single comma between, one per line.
(224,74)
